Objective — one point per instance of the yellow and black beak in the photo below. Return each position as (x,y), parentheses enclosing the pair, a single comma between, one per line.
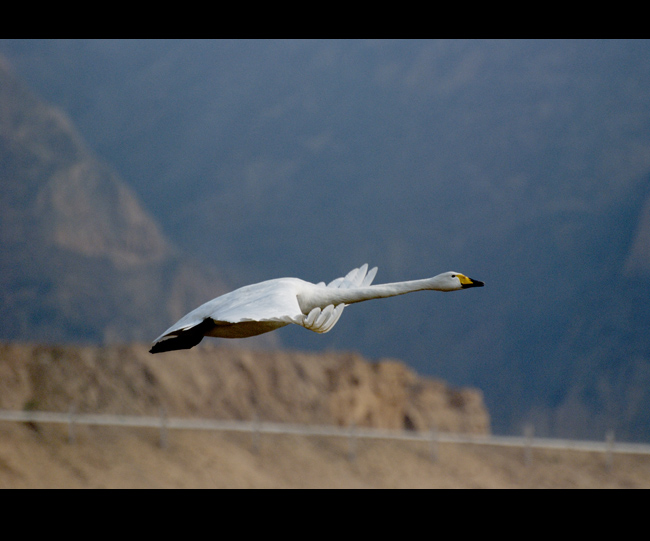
(466,282)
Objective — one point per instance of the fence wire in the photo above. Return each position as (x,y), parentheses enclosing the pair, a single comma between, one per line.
(256,427)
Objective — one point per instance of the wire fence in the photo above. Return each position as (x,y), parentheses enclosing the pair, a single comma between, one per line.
(256,428)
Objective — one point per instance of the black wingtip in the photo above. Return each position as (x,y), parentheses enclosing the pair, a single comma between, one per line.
(187,339)
(179,342)
(170,344)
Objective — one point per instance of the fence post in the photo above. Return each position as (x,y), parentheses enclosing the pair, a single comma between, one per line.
(609,451)
(529,434)
(71,427)
(352,443)
(433,444)
(255,436)
(163,428)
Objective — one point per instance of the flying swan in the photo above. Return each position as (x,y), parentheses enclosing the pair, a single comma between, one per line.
(269,305)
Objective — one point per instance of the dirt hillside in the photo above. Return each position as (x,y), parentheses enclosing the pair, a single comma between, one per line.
(220,383)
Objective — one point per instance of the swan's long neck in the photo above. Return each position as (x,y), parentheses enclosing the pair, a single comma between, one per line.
(324,296)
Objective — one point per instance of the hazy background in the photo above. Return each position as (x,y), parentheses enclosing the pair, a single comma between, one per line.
(525,164)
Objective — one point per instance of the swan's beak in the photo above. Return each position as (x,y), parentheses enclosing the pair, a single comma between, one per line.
(466,282)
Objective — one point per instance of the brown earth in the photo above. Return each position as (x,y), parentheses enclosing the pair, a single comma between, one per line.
(221,383)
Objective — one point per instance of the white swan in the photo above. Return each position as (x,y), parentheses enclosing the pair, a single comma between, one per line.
(269,305)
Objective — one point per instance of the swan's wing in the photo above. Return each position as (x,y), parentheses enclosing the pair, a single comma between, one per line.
(256,309)
(322,321)
(369,277)
(273,302)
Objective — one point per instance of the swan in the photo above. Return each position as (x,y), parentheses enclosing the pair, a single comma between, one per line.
(269,305)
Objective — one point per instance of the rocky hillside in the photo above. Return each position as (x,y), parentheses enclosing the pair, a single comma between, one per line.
(335,388)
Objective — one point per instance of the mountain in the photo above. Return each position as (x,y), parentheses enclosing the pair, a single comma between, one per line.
(81,258)
(524,163)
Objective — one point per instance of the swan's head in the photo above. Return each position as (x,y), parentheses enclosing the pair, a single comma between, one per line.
(453,281)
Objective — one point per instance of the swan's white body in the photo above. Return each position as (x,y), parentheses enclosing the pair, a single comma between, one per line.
(269,305)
